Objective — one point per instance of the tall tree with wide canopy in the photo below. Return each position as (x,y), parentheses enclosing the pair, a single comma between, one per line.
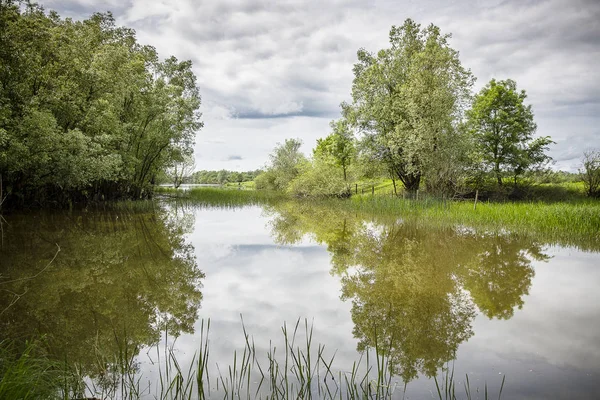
(503,128)
(408,100)
(86,111)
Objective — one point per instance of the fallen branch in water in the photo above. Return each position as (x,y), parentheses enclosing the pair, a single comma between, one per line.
(38,274)
(17,296)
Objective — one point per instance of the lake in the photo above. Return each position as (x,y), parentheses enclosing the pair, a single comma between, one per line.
(142,285)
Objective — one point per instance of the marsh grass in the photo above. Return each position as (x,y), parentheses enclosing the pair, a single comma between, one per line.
(222,197)
(296,370)
(446,387)
(566,223)
(28,373)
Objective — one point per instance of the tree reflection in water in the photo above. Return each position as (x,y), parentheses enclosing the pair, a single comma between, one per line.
(414,288)
(120,279)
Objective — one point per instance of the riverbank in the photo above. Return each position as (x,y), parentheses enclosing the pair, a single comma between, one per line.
(568,223)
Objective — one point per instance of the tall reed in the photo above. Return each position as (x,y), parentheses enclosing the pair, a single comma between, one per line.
(299,370)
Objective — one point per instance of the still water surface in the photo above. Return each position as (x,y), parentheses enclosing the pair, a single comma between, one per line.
(486,304)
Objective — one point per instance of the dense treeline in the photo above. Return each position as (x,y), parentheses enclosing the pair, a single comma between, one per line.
(223,176)
(86,112)
(413,117)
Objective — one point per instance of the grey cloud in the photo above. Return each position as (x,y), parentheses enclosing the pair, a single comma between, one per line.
(84,8)
(234,157)
(283,61)
(258,115)
(265,57)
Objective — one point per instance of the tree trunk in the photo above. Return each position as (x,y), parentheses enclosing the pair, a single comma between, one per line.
(411,182)
(498,174)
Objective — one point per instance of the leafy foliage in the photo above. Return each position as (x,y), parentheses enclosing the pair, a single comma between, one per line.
(180,170)
(286,159)
(590,172)
(503,128)
(319,178)
(86,111)
(408,99)
(222,176)
(338,146)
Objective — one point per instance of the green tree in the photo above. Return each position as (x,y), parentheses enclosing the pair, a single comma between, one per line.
(285,159)
(339,145)
(181,169)
(86,111)
(237,177)
(222,177)
(318,178)
(503,127)
(408,100)
(590,172)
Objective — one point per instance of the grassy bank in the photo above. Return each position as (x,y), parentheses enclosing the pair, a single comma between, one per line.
(575,222)
(221,197)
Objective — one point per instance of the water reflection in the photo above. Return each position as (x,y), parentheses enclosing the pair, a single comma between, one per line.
(119,280)
(414,288)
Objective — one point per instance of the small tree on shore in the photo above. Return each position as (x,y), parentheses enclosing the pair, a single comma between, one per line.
(590,172)
(181,169)
(286,159)
(503,128)
(339,146)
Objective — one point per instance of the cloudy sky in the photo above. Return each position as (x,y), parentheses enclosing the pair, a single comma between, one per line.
(271,70)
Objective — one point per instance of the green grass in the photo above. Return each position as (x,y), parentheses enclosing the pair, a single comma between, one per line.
(245,185)
(575,223)
(376,186)
(29,374)
(549,192)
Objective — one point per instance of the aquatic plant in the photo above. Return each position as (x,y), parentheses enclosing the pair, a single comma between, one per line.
(298,371)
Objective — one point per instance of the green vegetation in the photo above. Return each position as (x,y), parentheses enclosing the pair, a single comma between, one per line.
(565,223)
(223,176)
(503,128)
(222,197)
(558,213)
(286,160)
(299,371)
(87,112)
(28,373)
(408,99)
(591,173)
(337,148)
(420,125)
(180,170)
